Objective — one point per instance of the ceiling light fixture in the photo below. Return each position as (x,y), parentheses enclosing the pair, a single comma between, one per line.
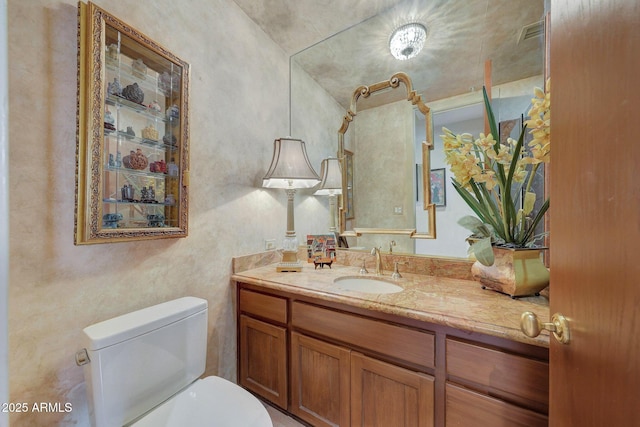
(407,41)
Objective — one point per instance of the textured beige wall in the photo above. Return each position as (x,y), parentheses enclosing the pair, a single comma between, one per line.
(239,104)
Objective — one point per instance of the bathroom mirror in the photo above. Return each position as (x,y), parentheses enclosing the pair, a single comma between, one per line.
(448,74)
(132,134)
(395,138)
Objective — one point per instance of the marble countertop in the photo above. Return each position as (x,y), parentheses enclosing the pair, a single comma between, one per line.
(457,303)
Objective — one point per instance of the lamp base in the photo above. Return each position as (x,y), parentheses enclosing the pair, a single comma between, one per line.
(289,262)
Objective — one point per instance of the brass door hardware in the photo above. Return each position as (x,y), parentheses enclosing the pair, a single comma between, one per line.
(531,326)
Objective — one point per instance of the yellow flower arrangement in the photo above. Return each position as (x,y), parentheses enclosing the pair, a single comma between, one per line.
(495,179)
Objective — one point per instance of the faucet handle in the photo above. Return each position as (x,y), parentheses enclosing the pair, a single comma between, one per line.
(396,273)
(391,245)
(363,269)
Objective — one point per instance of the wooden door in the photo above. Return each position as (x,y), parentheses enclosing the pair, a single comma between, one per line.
(263,359)
(595,198)
(319,381)
(384,395)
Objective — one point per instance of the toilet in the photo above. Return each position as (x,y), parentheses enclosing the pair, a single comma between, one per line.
(143,369)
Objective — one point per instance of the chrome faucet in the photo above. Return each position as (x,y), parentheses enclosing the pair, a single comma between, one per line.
(376,253)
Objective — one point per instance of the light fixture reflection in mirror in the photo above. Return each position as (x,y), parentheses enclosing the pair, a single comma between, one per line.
(331,186)
(290,169)
(407,41)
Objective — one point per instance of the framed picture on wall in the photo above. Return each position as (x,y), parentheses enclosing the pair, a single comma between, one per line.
(438,187)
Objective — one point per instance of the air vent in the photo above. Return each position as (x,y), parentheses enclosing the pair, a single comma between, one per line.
(531,31)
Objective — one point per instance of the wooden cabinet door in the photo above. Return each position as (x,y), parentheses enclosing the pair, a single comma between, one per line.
(384,395)
(319,381)
(263,359)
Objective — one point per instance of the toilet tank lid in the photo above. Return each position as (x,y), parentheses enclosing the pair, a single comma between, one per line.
(131,325)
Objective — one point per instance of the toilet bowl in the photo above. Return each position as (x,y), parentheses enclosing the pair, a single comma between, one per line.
(212,401)
(143,369)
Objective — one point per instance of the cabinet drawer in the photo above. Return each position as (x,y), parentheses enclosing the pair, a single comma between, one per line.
(465,408)
(262,305)
(395,341)
(508,376)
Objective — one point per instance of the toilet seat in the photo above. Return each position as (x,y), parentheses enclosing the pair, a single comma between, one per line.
(208,402)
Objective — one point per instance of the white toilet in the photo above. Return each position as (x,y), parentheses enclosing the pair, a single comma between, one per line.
(142,369)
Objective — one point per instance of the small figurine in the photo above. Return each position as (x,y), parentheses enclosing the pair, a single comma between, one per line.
(172,168)
(112,162)
(322,262)
(158,167)
(133,93)
(111,220)
(170,139)
(173,112)
(150,132)
(155,108)
(114,88)
(118,160)
(112,53)
(144,194)
(155,220)
(139,69)
(130,134)
(167,84)
(127,192)
(108,117)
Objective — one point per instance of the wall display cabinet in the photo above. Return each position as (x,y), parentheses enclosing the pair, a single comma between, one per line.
(354,367)
(132,155)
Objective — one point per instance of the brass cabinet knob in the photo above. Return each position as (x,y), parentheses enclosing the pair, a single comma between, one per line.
(532,326)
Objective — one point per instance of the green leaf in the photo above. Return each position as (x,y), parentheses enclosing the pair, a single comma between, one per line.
(483,251)
(474,225)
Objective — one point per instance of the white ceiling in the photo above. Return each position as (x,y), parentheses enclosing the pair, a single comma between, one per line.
(462,35)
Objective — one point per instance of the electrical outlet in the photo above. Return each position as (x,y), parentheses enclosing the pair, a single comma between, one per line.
(397,210)
(269,244)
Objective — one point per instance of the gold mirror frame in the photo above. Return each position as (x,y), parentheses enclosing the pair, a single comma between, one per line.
(167,213)
(427,146)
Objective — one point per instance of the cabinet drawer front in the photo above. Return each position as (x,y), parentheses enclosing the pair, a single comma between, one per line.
(505,375)
(395,341)
(266,306)
(465,408)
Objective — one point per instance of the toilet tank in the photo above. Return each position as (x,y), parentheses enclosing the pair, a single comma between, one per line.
(140,359)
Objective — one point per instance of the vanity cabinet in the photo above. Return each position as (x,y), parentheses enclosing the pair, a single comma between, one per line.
(332,364)
(333,384)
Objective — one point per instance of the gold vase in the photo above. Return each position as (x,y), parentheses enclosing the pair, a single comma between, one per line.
(516,272)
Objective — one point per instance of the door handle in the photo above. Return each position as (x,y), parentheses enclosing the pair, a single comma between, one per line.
(531,326)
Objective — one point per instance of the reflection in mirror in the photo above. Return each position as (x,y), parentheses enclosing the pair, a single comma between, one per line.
(448,74)
(387,130)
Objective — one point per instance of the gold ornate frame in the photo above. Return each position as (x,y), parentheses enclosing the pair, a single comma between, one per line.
(92,27)
(427,146)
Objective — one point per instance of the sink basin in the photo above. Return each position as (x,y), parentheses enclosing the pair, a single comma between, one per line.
(369,285)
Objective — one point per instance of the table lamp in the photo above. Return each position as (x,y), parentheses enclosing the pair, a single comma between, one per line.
(290,169)
(331,185)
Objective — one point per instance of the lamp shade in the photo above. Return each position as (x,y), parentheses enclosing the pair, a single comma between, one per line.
(331,177)
(290,166)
